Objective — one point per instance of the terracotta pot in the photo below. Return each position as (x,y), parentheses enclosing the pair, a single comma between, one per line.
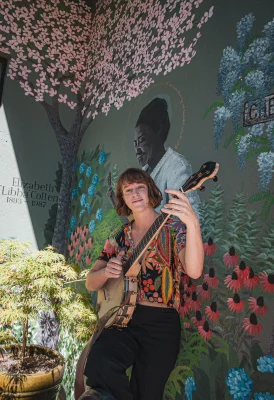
(37,386)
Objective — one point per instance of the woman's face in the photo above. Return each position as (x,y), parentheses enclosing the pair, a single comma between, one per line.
(145,143)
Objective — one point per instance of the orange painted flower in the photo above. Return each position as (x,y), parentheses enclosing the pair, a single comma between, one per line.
(235,304)
(203,292)
(257,305)
(210,247)
(184,307)
(189,287)
(198,320)
(252,281)
(204,331)
(251,325)
(242,270)
(88,259)
(212,312)
(231,259)
(211,279)
(233,282)
(267,282)
(194,302)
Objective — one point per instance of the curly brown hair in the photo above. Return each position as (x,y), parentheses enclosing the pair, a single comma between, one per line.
(136,175)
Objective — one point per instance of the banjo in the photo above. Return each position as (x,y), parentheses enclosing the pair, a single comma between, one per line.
(116,301)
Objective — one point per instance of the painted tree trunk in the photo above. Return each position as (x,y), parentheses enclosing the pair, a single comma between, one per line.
(68,159)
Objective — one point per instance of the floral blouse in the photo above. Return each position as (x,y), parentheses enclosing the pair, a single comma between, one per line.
(159,277)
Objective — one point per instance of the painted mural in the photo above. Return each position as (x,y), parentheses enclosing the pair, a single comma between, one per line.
(61,58)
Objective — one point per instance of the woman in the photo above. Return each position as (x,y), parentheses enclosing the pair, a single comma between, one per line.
(150,342)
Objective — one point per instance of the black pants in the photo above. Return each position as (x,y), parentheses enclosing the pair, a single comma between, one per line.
(150,344)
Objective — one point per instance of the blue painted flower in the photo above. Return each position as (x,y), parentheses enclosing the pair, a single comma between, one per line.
(221,115)
(95,179)
(102,157)
(83,199)
(230,61)
(75,166)
(69,233)
(91,191)
(87,206)
(92,226)
(265,169)
(189,388)
(243,30)
(73,222)
(266,363)
(89,172)
(80,184)
(74,193)
(82,168)
(239,384)
(242,150)
(270,134)
(99,214)
(263,396)
(81,213)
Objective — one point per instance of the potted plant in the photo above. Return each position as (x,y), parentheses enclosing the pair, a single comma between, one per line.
(32,281)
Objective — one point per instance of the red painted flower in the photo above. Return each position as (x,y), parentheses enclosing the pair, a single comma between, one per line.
(89,243)
(267,282)
(184,278)
(211,279)
(76,243)
(186,324)
(189,287)
(210,247)
(235,304)
(194,302)
(78,255)
(203,292)
(251,325)
(82,247)
(212,312)
(71,253)
(252,281)
(204,331)
(184,307)
(233,282)
(257,305)
(148,285)
(198,320)
(85,229)
(231,259)
(88,259)
(242,270)
(109,248)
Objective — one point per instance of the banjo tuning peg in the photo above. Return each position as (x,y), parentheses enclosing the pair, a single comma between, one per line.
(215,179)
(202,188)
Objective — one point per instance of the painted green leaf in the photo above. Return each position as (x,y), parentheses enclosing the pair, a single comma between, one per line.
(216,104)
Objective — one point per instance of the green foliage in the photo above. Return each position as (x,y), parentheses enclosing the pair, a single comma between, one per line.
(216,104)
(50,224)
(31,281)
(70,348)
(192,348)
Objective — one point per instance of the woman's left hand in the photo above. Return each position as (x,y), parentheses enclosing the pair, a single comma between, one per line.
(180,207)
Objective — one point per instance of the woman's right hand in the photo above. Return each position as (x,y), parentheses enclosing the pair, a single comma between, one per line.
(114,267)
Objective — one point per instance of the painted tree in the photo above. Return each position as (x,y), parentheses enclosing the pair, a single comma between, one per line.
(61,53)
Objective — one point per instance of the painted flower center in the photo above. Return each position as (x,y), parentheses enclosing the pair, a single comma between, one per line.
(236,298)
(211,273)
(194,296)
(242,266)
(231,251)
(210,241)
(251,274)
(213,306)
(206,326)
(271,279)
(260,301)
(205,286)
(198,315)
(234,276)
(253,319)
